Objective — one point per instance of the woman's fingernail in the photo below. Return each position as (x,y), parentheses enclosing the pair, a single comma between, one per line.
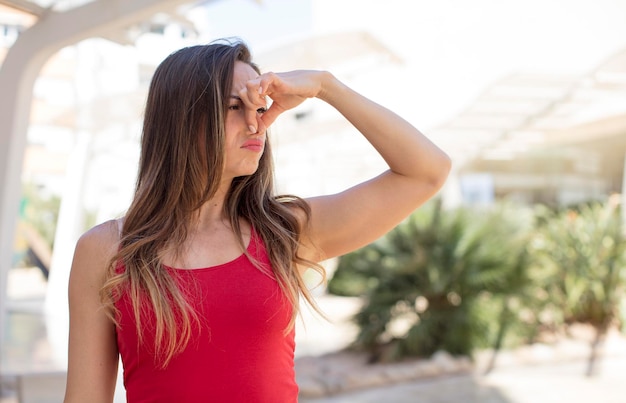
(252,129)
(260,90)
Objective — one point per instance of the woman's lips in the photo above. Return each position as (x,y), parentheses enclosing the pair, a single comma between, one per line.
(253,145)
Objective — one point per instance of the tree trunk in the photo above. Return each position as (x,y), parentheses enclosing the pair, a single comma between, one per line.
(596,350)
(504,324)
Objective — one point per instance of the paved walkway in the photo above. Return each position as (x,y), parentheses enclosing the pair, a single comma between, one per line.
(558,383)
(546,383)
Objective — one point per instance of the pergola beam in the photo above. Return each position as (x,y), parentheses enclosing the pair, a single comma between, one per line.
(25,6)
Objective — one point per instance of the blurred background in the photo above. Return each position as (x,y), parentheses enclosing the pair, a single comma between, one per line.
(526,239)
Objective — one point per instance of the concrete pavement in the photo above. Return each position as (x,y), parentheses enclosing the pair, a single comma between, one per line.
(562,382)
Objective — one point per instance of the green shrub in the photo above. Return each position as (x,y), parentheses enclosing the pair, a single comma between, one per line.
(582,251)
(441,280)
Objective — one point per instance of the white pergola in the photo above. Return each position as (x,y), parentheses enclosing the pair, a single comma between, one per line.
(53,30)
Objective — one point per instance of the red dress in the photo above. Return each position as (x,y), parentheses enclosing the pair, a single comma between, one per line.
(239,354)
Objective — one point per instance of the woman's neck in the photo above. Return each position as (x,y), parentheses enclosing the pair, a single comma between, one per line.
(213,211)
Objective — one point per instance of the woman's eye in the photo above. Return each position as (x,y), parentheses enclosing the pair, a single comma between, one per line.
(237,107)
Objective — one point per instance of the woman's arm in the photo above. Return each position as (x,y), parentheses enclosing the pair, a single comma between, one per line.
(357,216)
(93,354)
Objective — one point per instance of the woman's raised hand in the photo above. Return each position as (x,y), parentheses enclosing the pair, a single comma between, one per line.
(286,91)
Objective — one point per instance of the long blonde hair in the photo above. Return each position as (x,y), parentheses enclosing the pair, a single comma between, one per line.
(178,172)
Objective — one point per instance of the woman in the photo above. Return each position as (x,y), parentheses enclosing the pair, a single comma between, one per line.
(197,287)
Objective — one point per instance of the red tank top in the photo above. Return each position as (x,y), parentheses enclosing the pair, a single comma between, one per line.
(239,354)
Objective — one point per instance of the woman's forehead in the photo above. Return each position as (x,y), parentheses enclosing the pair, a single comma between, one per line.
(242,74)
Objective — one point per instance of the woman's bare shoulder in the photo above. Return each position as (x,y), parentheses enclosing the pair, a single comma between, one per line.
(96,247)
(102,236)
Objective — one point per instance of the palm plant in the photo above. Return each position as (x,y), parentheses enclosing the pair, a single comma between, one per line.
(438,281)
(585,252)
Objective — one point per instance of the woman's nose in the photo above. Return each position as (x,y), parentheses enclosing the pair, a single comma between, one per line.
(260,128)
(255,123)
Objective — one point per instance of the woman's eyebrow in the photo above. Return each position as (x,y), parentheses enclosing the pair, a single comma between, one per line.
(237,97)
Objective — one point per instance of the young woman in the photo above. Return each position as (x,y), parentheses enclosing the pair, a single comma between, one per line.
(197,286)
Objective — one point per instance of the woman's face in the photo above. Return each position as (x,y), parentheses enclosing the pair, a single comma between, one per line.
(243,148)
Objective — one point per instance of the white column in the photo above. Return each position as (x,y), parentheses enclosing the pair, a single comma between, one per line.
(69,226)
(17,76)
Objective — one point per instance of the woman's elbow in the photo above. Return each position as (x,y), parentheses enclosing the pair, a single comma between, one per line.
(441,169)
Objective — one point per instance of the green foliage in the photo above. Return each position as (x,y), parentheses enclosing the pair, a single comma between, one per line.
(36,226)
(583,253)
(439,280)
(40,211)
(464,279)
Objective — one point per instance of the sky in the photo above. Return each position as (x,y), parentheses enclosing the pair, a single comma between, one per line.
(259,23)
